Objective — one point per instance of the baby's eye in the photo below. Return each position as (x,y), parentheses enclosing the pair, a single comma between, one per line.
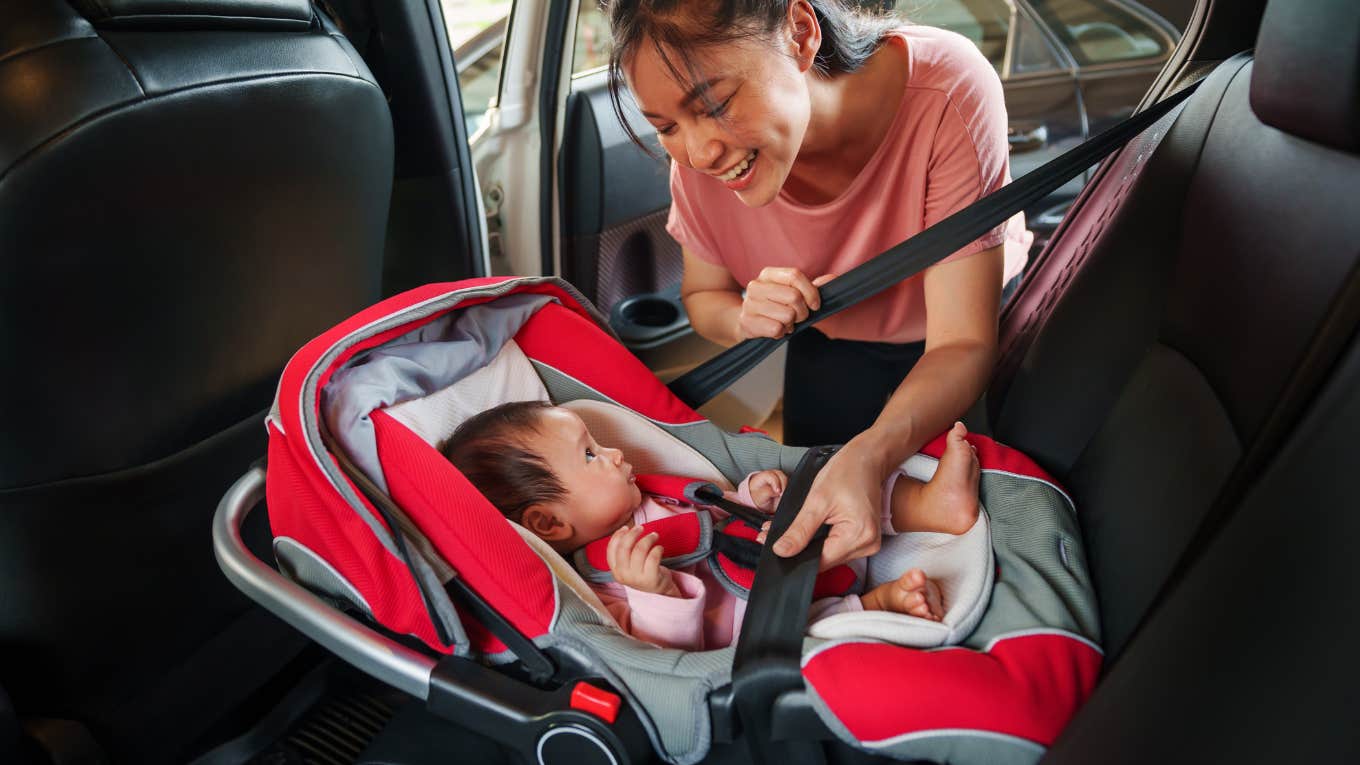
(590,455)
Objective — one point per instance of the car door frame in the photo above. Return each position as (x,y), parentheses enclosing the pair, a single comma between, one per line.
(517,180)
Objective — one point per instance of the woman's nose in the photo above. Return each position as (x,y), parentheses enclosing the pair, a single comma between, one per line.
(704,148)
(616,456)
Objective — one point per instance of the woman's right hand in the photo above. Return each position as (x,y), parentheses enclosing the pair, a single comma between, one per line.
(776,300)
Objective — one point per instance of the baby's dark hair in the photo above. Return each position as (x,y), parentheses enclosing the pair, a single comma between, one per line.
(489,449)
(851,32)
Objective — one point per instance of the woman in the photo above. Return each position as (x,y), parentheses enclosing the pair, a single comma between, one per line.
(805,139)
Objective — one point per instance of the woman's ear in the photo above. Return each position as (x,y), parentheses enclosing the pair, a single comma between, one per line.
(804,34)
(546,523)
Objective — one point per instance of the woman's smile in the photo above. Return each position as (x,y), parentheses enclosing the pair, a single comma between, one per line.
(739,176)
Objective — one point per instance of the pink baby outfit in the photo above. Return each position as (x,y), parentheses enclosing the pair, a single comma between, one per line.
(946,148)
(707,615)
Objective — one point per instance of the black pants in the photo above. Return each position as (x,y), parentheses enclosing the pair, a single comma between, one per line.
(834,389)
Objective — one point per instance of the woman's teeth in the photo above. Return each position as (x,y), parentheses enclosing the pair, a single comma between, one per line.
(740,168)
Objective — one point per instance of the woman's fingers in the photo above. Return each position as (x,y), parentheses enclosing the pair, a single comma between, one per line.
(792,277)
(804,525)
(775,299)
(844,496)
(761,326)
(849,539)
(775,309)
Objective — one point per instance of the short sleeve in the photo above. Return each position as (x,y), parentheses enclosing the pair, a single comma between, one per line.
(685,224)
(970,157)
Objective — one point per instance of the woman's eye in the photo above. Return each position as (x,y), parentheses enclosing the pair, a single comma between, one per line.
(721,109)
(666,130)
(590,455)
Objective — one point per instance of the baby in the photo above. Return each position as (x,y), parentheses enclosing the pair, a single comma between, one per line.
(539,465)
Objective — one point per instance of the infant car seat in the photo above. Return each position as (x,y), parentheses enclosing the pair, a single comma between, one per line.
(369,518)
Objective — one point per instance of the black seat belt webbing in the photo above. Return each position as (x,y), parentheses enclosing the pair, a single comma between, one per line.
(923,250)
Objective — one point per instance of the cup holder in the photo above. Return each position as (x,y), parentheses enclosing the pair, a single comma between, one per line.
(646,320)
(653,312)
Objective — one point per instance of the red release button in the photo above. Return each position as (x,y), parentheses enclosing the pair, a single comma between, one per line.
(596,701)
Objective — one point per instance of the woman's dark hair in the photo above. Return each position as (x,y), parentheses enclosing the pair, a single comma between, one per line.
(489,450)
(676,28)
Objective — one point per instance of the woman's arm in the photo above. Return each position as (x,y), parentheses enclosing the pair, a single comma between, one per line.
(712,299)
(962,302)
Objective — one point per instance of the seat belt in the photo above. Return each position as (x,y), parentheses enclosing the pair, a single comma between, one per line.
(922,251)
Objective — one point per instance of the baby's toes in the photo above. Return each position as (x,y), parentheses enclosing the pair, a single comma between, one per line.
(914,579)
(920,608)
(934,600)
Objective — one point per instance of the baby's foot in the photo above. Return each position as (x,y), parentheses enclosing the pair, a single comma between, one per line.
(911,594)
(952,492)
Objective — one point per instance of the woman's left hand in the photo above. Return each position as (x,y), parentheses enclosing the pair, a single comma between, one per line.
(847,494)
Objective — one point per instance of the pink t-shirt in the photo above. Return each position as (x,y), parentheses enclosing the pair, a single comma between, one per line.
(945,149)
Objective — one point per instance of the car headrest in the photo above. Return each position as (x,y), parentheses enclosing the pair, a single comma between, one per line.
(288,15)
(1306,76)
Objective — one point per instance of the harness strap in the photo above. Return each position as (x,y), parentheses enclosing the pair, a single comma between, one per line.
(727,547)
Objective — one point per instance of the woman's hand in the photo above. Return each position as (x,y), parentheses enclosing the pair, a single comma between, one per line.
(847,494)
(766,487)
(635,561)
(776,300)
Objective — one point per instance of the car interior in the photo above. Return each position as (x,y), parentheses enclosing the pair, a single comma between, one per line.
(190,190)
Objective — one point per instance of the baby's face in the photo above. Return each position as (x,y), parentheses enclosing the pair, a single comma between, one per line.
(601,490)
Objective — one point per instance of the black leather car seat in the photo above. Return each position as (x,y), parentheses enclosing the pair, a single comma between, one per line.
(188,192)
(1153,349)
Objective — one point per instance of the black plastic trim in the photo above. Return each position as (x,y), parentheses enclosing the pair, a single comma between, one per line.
(520,715)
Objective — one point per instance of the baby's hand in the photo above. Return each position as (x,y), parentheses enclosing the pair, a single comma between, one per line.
(764,532)
(766,488)
(635,561)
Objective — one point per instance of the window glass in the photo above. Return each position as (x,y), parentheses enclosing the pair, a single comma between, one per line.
(1032,53)
(592,38)
(985,22)
(1100,33)
(477,34)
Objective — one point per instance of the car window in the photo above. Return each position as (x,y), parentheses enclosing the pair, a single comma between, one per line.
(1100,33)
(592,39)
(985,22)
(1032,52)
(477,35)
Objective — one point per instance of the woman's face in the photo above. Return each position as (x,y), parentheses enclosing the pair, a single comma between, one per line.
(748,129)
